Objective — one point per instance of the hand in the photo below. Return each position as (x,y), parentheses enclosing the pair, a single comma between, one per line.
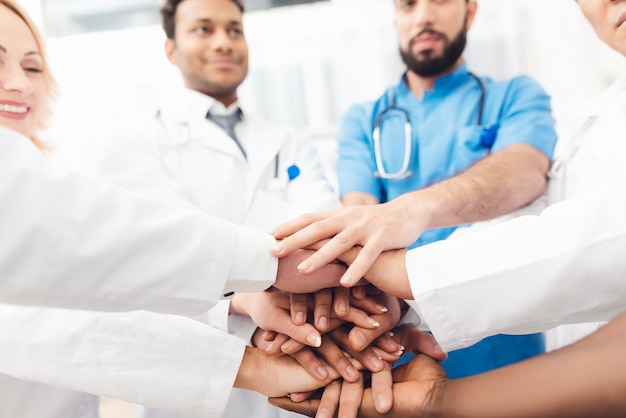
(388,273)
(276,376)
(376,228)
(290,279)
(269,310)
(414,386)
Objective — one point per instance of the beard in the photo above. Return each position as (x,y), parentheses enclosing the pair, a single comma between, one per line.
(427,66)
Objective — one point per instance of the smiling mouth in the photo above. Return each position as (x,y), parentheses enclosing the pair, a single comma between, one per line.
(17,110)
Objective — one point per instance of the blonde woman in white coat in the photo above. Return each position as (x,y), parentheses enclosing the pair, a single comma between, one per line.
(70,241)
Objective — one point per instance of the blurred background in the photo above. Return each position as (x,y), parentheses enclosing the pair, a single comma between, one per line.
(309,60)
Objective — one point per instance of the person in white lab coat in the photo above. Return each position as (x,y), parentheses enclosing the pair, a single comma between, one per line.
(70,241)
(250,172)
(528,274)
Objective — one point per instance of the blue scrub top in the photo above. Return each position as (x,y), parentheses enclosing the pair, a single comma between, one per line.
(446,137)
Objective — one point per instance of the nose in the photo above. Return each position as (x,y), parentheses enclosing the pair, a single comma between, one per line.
(222,41)
(423,14)
(14,78)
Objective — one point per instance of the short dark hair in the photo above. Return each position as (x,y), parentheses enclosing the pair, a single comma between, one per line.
(168,15)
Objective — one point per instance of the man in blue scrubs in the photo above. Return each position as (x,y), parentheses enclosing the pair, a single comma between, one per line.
(478,148)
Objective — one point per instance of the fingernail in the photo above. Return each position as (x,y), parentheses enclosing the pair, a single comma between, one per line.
(381,308)
(360,340)
(351,371)
(322,372)
(437,347)
(305,265)
(346,280)
(382,402)
(342,306)
(373,322)
(399,353)
(272,231)
(300,317)
(378,363)
(278,247)
(314,340)
(323,323)
(323,413)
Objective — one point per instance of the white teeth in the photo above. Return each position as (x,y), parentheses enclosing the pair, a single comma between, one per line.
(13,109)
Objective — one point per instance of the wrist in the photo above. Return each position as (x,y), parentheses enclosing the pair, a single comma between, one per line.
(250,369)
(434,405)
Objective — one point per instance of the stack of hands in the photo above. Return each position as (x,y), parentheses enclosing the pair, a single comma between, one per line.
(347,335)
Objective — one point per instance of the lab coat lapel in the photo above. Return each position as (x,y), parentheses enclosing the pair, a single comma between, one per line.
(264,141)
(182,112)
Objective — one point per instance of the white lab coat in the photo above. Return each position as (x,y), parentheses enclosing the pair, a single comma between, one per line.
(565,266)
(72,241)
(176,154)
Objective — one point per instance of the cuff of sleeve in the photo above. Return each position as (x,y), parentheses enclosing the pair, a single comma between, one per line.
(254,267)
(427,303)
(242,326)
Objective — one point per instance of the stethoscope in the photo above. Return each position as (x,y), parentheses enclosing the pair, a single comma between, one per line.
(404,171)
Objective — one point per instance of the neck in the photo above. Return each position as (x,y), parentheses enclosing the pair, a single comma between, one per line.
(419,84)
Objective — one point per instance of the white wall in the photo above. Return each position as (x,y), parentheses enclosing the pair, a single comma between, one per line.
(308,63)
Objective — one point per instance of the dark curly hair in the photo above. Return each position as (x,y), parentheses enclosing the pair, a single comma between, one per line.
(168,15)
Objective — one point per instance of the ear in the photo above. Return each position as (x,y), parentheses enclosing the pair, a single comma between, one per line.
(170,48)
(472,6)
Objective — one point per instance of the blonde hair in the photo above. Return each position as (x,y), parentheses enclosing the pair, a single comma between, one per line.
(49,81)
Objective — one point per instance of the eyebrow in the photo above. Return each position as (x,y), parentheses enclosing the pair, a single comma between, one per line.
(3,49)
(208,20)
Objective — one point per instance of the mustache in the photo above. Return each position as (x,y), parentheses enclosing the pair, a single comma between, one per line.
(428,32)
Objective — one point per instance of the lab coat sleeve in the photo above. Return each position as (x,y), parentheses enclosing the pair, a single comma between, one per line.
(70,240)
(526,275)
(163,361)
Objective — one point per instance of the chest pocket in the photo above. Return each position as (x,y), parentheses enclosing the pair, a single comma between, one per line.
(471,143)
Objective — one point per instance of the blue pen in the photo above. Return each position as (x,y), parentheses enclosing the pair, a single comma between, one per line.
(293,171)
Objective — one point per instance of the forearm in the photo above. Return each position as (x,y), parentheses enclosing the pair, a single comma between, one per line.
(492,187)
(583,380)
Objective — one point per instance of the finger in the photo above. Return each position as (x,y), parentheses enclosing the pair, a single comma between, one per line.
(289,228)
(301,396)
(361,337)
(360,318)
(371,305)
(341,302)
(291,347)
(361,264)
(305,334)
(423,342)
(329,401)
(336,358)
(368,357)
(350,399)
(359,292)
(298,307)
(302,232)
(387,344)
(337,245)
(308,407)
(321,311)
(274,348)
(382,389)
(311,363)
